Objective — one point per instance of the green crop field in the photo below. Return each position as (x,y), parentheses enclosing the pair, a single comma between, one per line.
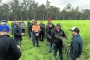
(41,53)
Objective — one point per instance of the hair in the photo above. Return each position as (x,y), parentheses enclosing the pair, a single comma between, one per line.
(77,32)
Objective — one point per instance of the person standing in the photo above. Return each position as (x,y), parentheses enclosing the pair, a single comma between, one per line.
(23,27)
(56,37)
(8,48)
(12,25)
(35,31)
(29,25)
(49,30)
(76,44)
(42,30)
(18,33)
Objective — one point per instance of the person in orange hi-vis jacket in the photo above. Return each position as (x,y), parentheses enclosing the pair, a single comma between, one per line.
(35,31)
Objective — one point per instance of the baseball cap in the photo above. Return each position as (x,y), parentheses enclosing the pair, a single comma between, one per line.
(59,25)
(4,28)
(33,20)
(75,29)
(49,19)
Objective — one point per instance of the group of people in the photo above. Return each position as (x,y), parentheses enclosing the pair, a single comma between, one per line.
(54,35)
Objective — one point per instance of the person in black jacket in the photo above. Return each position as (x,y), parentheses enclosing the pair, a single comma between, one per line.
(42,30)
(8,48)
(56,37)
(12,25)
(48,35)
(29,25)
(17,32)
(76,44)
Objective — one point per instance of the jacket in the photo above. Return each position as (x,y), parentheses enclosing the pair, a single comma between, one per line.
(57,37)
(17,33)
(76,46)
(29,26)
(42,27)
(36,29)
(48,32)
(8,49)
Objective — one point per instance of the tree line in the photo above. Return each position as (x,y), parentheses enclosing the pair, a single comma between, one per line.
(29,9)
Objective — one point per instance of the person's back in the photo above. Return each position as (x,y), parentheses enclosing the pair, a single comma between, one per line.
(8,48)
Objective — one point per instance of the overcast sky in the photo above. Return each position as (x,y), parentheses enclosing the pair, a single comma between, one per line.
(83,4)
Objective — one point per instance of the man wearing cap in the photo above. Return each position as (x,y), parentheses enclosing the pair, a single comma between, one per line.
(76,44)
(49,30)
(8,48)
(49,21)
(35,31)
(57,35)
(17,33)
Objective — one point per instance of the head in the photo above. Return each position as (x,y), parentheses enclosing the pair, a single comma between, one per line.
(58,26)
(4,30)
(41,21)
(18,24)
(22,21)
(49,19)
(28,20)
(50,25)
(3,22)
(33,21)
(74,30)
(13,22)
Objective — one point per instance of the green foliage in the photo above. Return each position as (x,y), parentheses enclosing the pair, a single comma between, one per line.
(41,53)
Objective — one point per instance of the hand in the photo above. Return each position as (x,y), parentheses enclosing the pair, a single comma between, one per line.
(49,36)
(36,34)
(18,46)
(69,44)
(22,33)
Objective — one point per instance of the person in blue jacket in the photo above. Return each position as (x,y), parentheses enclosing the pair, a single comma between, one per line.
(76,44)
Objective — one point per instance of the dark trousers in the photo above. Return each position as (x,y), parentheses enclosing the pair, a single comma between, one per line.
(23,30)
(41,36)
(35,41)
(29,33)
(50,46)
(55,48)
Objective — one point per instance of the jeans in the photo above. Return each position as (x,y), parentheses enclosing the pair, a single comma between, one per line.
(55,49)
(50,46)
(41,36)
(35,39)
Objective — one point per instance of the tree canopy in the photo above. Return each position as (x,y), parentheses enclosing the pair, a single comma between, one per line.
(29,9)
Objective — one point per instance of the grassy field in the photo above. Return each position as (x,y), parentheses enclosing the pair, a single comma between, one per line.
(33,53)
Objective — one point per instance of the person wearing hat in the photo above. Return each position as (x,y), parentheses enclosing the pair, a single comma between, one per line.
(8,48)
(49,21)
(56,38)
(35,31)
(49,30)
(76,44)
